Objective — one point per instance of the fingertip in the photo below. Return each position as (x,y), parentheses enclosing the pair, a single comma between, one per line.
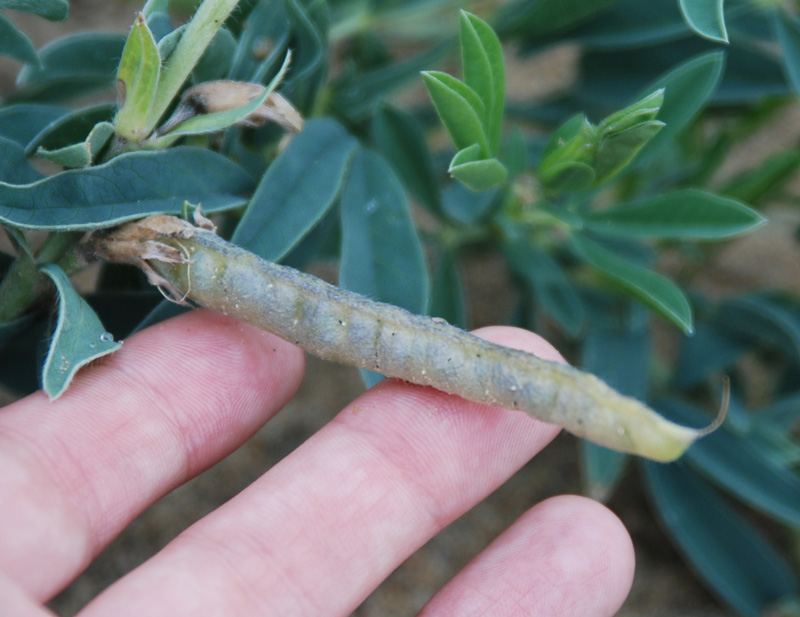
(518,338)
(567,556)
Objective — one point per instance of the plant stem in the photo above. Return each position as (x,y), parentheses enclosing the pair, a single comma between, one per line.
(204,25)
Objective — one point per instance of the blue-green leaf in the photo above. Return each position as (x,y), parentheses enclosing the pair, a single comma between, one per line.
(707,352)
(740,466)
(82,154)
(400,138)
(14,165)
(687,89)
(730,555)
(652,289)
(381,252)
(54,10)
(552,290)
(23,122)
(128,187)
(762,320)
(78,339)
(300,186)
(621,358)
(15,44)
(466,206)
(706,18)
(70,128)
(72,66)
(787,29)
(447,292)
(687,213)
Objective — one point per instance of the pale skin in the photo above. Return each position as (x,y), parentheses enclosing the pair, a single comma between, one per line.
(320,530)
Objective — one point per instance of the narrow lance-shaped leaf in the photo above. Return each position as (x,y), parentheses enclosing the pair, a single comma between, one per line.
(381,252)
(742,466)
(459,108)
(54,10)
(78,339)
(484,73)
(687,213)
(300,186)
(127,187)
(652,289)
(401,140)
(728,553)
(137,80)
(706,18)
(687,88)
(787,29)
(15,44)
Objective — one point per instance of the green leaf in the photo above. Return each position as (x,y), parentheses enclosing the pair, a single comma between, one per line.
(265,29)
(14,165)
(707,352)
(652,289)
(70,128)
(78,339)
(706,18)
(459,108)
(167,43)
(477,174)
(382,254)
(128,187)
(71,66)
(155,6)
(137,80)
(15,44)
(687,89)
(787,30)
(730,555)
(216,61)
(552,290)
(400,139)
(615,152)
(545,18)
(354,95)
(687,213)
(484,73)
(447,299)
(300,186)
(632,24)
(737,464)
(757,184)
(465,206)
(54,10)
(81,154)
(309,25)
(567,159)
(21,123)
(761,319)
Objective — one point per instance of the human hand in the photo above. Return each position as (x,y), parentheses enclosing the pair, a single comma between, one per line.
(315,534)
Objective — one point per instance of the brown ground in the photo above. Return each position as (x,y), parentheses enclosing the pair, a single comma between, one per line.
(663,585)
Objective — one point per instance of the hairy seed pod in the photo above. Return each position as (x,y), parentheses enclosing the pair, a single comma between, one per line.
(334,324)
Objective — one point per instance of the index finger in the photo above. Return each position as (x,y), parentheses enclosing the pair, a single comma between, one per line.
(174,400)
